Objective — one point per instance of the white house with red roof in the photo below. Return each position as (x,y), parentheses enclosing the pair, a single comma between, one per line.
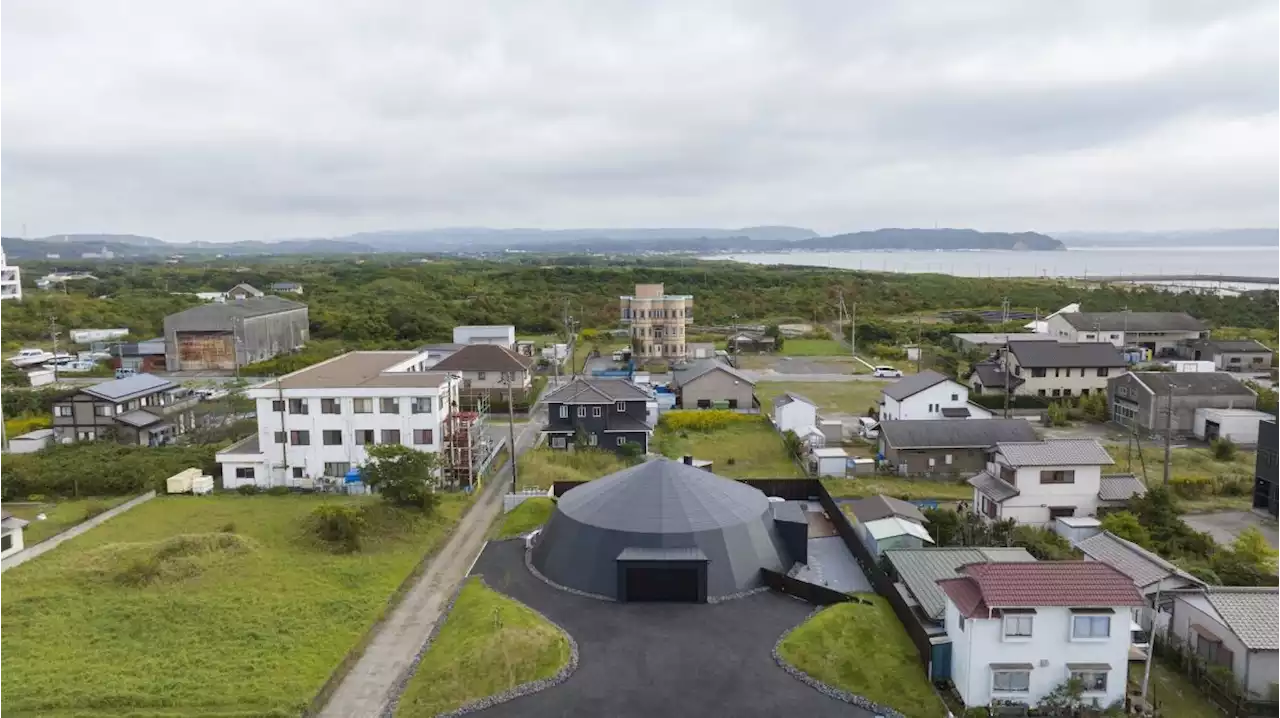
(1020,629)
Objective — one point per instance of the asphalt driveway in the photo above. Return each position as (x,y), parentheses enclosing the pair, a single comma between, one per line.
(644,660)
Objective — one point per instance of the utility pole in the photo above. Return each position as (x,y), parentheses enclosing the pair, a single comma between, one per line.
(1151,639)
(1008,380)
(53,334)
(511,431)
(853,330)
(919,347)
(1168,434)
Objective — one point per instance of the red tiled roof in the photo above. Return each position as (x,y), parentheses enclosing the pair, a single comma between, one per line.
(966,595)
(1042,583)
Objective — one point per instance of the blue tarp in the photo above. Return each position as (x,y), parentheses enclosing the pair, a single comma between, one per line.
(352,477)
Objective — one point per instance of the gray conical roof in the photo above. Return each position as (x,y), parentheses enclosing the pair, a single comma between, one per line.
(663,497)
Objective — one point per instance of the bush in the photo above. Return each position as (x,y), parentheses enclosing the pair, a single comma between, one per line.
(24,424)
(631,452)
(1017,401)
(247,489)
(278,491)
(1043,543)
(1094,407)
(338,526)
(1057,414)
(1191,487)
(703,419)
(93,508)
(1223,449)
(228,528)
(100,468)
(1234,485)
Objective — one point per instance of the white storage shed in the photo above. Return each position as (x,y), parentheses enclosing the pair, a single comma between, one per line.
(1076,528)
(31,441)
(1238,425)
(829,461)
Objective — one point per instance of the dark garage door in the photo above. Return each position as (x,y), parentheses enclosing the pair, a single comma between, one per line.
(663,584)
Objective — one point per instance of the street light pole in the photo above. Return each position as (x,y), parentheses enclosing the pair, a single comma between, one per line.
(511,432)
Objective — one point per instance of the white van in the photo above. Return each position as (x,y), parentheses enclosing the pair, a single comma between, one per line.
(887,372)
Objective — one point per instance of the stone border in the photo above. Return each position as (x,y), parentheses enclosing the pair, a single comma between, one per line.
(827,690)
(510,694)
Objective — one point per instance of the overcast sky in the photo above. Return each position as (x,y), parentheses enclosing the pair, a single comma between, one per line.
(296,118)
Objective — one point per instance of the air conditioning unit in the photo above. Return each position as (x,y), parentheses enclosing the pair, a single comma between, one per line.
(1044,663)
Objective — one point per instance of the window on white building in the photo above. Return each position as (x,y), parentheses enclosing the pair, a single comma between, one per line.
(336,468)
(1018,626)
(1088,626)
(1093,680)
(297,406)
(330,406)
(277,405)
(1010,681)
(331,437)
(480,376)
(362,406)
(364,437)
(244,472)
(421,436)
(391,436)
(422,405)
(300,438)
(389,405)
(297,472)
(280,437)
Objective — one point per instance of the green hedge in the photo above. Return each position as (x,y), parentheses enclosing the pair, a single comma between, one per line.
(100,468)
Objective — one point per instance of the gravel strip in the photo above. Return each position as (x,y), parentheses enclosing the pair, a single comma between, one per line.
(823,688)
(510,694)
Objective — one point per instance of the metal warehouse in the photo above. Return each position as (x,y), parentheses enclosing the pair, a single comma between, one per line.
(660,531)
(226,336)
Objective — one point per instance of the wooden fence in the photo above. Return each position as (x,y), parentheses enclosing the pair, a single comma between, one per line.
(1216,683)
(813,593)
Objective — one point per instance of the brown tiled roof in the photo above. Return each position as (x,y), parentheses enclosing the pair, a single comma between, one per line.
(1079,584)
(484,357)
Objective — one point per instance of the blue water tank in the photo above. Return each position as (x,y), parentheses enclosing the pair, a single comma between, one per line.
(352,477)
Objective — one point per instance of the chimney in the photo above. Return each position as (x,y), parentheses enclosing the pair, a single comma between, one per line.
(688,460)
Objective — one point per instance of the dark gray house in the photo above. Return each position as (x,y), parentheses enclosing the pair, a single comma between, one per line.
(598,413)
(1264,471)
(141,409)
(1242,355)
(1140,399)
(708,383)
(943,447)
(661,531)
(224,336)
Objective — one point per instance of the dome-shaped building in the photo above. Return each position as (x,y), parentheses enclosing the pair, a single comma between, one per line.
(660,531)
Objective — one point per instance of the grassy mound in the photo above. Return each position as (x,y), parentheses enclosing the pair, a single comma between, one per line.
(833,647)
(526,517)
(489,643)
(165,561)
(541,467)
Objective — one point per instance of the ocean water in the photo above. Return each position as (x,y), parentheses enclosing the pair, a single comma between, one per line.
(1079,262)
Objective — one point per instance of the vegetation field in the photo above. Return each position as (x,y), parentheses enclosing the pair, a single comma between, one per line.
(812,348)
(542,467)
(848,397)
(529,515)
(1176,695)
(745,449)
(833,647)
(902,488)
(196,606)
(1201,481)
(489,643)
(60,515)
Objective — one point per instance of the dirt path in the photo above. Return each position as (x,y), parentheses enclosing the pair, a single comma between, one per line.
(366,690)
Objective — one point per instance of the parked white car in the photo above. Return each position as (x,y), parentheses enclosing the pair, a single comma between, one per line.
(887,371)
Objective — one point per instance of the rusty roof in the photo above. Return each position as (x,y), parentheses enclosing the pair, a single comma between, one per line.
(1077,584)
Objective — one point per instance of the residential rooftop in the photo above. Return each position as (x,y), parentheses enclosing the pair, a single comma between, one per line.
(1088,355)
(1195,382)
(914,384)
(982,588)
(1134,321)
(596,391)
(361,369)
(1055,452)
(129,387)
(484,357)
(921,569)
(1142,566)
(951,434)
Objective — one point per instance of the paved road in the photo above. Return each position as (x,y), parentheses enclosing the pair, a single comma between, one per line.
(366,689)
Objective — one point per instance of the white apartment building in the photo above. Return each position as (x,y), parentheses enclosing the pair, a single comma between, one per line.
(10,279)
(928,395)
(657,321)
(1035,482)
(1020,629)
(317,422)
(1161,332)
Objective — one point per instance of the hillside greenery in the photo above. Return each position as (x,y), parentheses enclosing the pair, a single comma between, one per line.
(387,299)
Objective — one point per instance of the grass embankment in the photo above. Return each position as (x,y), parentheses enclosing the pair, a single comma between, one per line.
(744,446)
(1214,485)
(906,489)
(833,647)
(529,515)
(1176,694)
(489,643)
(542,467)
(60,516)
(812,348)
(846,397)
(219,605)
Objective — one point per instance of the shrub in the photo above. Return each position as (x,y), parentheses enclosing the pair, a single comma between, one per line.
(1043,543)
(100,468)
(228,528)
(630,451)
(1191,487)
(1234,485)
(247,489)
(1223,449)
(24,424)
(93,508)
(703,419)
(278,491)
(1057,414)
(338,526)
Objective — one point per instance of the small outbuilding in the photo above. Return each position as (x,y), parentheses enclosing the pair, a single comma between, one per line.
(829,461)
(11,534)
(660,531)
(1238,425)
(31,442)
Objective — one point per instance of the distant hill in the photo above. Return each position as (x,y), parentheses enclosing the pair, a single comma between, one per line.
(132,240)
(1261,237)
(928,239)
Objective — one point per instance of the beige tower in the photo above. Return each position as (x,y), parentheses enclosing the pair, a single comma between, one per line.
(657,321)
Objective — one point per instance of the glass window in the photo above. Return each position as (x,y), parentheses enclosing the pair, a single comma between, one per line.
(480,376)
(1103,371)
(422,405)
(1057,477)
(1090,626)
(582,411)
(621,406)
(332,437)
(297,406)
(1037,372)
(330,406)
(277,405)
(364,436)
(336,468)
(62,410)
(280,437)
(564,412)
(1093,681)
(389,405)
(622,440)
(593,440)
(300,438)
(362,406)
(422,436)
(1010,681)
(297,472)
(244,472)
(391,436)
(557,442)
(595,411)
(102,410)
(1018,626)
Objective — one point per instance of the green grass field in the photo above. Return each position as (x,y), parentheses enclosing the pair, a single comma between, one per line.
(60,515)
(542,467)
(849,397)
(754,447)
(906,489)
(1176,695)
(1190,462)
(489,643)
(529,515)
(197,606)
(812,348)
(833,647)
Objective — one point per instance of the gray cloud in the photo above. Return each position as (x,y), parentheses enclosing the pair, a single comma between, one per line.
(275,118)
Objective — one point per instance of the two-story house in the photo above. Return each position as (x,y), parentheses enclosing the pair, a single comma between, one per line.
(598,413)
(1163,333)
(141,409)
(491,367)
(928,395)
(1035,482)
(315,424)
(1063,369)
(1020,629)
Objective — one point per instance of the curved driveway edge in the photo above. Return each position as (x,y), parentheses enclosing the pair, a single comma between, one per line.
(510,694)
(56,540)
(823,688)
